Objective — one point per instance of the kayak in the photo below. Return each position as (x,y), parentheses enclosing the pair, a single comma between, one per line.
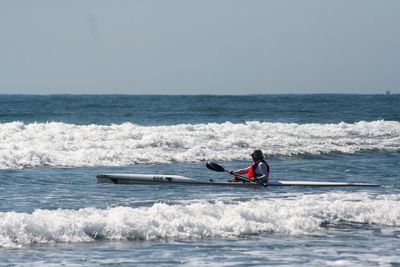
(154,179)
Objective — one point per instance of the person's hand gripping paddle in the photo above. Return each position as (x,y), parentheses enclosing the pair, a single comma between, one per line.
(211,165)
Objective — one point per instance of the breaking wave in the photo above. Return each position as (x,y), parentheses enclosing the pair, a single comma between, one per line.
(293,215)
(60,144)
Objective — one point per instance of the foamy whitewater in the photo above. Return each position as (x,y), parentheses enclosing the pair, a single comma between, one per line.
(54,212)
(60,144)
(295,215)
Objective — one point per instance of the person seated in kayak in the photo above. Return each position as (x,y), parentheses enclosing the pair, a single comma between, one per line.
(258,171)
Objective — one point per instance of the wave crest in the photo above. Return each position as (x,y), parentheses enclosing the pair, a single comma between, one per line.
(298,215)
(60,144)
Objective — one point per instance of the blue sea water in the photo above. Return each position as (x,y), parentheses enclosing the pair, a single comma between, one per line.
(53,212)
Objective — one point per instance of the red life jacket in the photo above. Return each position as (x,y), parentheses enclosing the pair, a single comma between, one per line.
(251,172)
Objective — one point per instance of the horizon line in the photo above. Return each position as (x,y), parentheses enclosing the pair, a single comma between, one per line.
(143,94)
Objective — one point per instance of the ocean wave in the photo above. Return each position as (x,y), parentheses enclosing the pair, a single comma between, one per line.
(69,145)
(295,215)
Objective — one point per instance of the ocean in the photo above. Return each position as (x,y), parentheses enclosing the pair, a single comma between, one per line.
(53,212)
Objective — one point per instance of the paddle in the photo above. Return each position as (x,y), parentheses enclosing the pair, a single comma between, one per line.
(211,165)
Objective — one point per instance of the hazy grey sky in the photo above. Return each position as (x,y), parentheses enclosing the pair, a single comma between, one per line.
(199,47)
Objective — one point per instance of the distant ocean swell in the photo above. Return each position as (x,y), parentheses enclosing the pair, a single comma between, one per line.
(295,215)
(59,144)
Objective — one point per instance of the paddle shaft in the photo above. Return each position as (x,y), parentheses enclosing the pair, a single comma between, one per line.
(218,168)
(239,176)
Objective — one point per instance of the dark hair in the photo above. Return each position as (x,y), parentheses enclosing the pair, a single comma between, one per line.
(257,154)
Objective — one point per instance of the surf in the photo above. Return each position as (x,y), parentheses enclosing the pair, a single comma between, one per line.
(56,144)
(290,214)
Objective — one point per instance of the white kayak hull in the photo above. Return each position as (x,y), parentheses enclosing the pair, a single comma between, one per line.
(152,179)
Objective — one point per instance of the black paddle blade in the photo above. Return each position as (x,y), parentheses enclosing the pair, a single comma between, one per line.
(214,166)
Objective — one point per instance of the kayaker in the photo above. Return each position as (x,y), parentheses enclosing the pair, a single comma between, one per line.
(258,171)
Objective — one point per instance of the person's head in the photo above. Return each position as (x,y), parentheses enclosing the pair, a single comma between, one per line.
(257,155)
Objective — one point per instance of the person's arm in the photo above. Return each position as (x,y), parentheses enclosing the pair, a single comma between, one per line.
(240,171)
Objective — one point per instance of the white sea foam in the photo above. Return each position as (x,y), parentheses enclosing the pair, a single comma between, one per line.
(295,215)
(60,144)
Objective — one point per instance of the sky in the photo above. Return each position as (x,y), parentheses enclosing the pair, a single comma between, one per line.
(199,47)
